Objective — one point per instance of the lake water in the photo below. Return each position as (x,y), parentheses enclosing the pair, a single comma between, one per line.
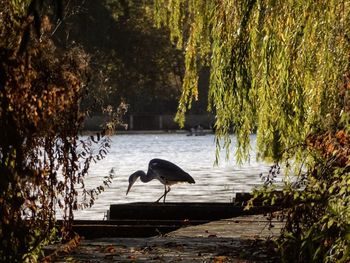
(194,154)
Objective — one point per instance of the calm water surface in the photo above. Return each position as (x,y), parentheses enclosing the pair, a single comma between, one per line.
(194,154)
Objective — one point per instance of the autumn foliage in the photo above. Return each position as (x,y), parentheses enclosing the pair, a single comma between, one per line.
(332,144)
(42,158)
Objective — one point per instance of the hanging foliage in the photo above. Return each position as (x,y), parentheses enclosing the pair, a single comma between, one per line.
(43,161)
(274,65)
(282,68)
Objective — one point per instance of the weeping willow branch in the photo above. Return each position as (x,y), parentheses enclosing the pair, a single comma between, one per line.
(275,65)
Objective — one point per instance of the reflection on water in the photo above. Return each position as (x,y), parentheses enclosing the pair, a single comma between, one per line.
(195,155)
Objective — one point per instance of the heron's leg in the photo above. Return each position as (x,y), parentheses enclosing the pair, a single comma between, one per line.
(159,198)
(165,193)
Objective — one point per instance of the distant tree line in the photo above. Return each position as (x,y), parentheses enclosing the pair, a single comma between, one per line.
(132,61)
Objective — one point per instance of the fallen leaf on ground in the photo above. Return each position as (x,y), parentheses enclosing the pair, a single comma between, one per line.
(220,259)
(109,249)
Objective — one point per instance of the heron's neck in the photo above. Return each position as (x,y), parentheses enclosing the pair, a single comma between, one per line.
(145,178)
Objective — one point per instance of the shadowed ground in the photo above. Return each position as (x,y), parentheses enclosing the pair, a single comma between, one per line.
(241,239)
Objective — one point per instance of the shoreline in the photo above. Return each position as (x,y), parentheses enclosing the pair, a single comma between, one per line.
(132,132)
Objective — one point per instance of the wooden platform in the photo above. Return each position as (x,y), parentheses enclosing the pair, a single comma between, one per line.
(179,211)
(240,239)
(154,219)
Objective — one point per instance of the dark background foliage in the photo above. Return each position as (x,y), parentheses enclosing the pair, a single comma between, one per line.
(132,61)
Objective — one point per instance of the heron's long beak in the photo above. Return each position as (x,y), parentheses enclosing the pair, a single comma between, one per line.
(129,187)
(132,180)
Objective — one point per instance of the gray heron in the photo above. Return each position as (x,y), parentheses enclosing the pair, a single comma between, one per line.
(166,172)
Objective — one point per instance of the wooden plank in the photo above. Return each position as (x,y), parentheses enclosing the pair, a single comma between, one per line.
(90,231)
(180,211)
(129,228)
(152,219)
(138,222)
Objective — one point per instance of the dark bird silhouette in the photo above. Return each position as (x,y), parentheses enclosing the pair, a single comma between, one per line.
(166,172)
